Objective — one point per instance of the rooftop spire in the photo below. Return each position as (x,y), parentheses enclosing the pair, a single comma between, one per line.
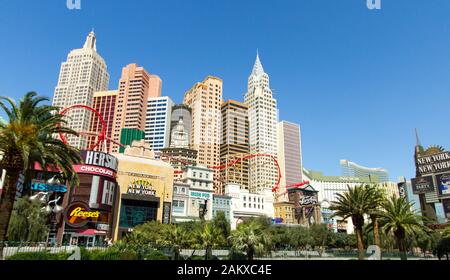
(257,68)
(91,41)
(417,138)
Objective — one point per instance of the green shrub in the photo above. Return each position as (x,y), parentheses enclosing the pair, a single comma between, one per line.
(202,258)
(237,256)
(156,255)
(43,255)
(111,254)
(196,258)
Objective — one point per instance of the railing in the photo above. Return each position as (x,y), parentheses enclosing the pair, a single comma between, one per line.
(46,251)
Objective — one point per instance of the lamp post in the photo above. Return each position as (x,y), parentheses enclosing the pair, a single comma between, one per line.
(203,210)
(50,207)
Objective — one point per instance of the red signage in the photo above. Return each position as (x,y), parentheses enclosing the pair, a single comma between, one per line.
(94,170)
(78,215)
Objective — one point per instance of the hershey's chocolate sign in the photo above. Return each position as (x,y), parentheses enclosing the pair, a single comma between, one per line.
(100,159)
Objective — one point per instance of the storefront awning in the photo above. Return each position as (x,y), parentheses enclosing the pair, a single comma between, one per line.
(141,197)
(91,232)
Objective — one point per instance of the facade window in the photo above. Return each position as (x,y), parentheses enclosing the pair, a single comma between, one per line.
(178,206)
(108,193)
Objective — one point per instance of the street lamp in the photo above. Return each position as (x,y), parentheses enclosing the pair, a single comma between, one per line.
(51,208)
(55,209)
(42,196)
(203,210)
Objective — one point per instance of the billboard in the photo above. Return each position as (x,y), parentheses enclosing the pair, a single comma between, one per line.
(422,185)
(402,189)
(431,164)
(446,206)
(443,183)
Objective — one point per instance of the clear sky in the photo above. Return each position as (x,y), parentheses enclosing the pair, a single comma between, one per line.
(357,80)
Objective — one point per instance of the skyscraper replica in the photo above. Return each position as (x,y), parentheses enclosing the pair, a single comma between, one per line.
(234,144)
(262,111)
(179,153)
(131,112)
(205,101)
(289,155)
(83,73)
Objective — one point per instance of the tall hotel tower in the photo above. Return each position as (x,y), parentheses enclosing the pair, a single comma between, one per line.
(158,123)
(262,112)
(105,103)
(136,85)
(234,143)
(289,156)
(83,73)
(205,101)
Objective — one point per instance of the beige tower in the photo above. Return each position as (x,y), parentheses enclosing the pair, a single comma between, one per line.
(263,119)
(135,86)
(205,100)
(83,73)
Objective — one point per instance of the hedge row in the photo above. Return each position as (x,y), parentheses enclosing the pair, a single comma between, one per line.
(109,254)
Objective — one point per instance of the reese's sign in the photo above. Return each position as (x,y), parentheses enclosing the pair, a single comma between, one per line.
(78,215)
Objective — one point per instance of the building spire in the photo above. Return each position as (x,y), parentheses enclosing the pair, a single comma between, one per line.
(91,41)
(417,138)
(257,68)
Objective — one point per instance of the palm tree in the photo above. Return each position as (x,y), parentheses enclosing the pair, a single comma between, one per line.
(27,137)
(176,238)
(250,238)
(354,204)
(399,218)
(376,200)
(208,238)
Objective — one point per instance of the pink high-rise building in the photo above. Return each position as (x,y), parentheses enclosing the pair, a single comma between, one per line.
(136,85)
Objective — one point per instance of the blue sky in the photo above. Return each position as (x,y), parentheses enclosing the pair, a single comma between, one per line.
(357,80)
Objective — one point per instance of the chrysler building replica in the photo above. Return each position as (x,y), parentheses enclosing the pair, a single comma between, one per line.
(262,112)
(83,73)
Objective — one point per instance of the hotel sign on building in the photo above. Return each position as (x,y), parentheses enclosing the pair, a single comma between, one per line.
(432,164)
(146,187)
(202,195)
(422,185)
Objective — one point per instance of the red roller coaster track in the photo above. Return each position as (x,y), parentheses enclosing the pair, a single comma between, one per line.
(101,137)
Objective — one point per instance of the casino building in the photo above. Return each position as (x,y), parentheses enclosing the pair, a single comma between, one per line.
(89,206)
(145,189)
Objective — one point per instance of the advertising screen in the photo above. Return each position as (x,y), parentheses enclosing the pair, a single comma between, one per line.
(443,182)
(422,185)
